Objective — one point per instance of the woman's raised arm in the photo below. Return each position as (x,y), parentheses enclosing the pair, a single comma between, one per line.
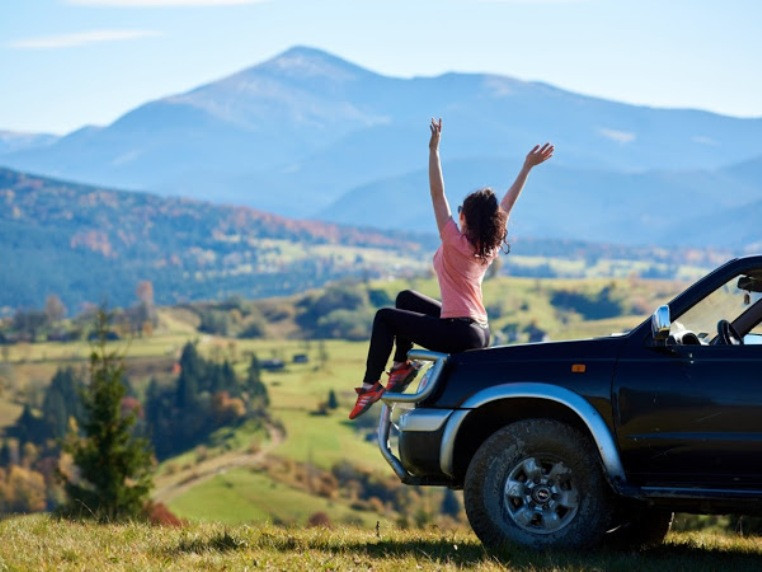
(436,181)
(537,155)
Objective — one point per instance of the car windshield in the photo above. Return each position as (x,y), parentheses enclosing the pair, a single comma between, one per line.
(727,302)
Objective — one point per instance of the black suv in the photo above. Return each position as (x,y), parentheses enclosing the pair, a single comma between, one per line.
(568,444)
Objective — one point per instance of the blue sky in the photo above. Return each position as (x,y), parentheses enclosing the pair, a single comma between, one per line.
(68,63)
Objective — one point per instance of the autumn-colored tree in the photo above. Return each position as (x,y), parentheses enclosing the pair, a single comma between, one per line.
(143,316)
(54,309)
(21,490)
(144,292)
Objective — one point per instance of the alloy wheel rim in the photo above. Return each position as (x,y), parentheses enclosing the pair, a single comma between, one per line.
(540,495)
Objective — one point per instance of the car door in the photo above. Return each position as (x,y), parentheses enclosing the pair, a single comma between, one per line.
(692,414)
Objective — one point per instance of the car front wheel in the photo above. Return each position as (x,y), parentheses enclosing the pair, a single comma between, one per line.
(537,483)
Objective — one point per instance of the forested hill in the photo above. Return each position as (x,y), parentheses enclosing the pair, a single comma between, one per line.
(90,244)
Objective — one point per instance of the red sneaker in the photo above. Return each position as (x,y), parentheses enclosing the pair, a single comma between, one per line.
(366,398)
(401,376)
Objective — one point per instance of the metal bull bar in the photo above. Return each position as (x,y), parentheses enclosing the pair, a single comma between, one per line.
(424,390)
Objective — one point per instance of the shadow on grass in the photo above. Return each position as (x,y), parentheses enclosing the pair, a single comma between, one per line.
(468,554)
(223,542)
(666,557)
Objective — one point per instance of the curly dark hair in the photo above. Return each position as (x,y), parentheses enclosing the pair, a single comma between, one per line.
(485,223)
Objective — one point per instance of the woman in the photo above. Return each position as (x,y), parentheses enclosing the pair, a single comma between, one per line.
(459,322)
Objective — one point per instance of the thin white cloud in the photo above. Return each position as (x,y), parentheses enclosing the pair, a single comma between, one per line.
(81,39)
(161,3)
(621,137)
(704,140)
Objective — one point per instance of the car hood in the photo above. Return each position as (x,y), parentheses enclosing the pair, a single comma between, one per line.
(584,366)
(574,349)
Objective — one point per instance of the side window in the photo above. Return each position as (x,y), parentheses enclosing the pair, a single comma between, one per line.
(754,337)
(726,302)
(739,301)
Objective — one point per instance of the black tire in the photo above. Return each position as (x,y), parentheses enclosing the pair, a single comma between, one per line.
(642,527)
(537,483)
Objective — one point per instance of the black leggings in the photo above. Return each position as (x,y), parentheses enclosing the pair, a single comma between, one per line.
(415,319)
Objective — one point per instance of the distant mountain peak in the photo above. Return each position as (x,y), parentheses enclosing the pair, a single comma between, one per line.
(304,61)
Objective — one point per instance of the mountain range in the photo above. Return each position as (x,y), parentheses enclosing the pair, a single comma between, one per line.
(310,135)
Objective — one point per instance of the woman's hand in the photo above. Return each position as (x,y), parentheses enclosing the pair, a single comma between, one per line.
(436,132)
(538,155)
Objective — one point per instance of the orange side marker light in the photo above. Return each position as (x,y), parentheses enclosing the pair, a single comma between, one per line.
(579,368)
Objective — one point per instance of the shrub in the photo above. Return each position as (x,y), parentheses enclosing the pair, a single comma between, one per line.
(319,519)
(254,328)
(591,306)
(159,514)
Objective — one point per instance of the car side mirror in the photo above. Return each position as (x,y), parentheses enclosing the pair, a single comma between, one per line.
(660,324)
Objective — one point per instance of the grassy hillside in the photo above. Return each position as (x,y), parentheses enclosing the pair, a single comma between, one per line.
(247,475)
(89,244)
(58,545)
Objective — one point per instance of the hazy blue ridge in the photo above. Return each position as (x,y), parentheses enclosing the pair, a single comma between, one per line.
(562,202)
(295,134)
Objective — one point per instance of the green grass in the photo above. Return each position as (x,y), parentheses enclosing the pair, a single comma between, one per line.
(244,496)
(297,392)
(41,543)
(325,441)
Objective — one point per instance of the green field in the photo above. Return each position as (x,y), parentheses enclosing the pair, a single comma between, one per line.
(244,496)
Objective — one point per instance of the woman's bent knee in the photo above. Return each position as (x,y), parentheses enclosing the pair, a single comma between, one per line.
(403,298)
(382,315)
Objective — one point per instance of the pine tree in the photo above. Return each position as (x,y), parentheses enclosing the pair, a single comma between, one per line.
(28,427)
(55,415)
(191,371)
(5,454)
(62,402)
(162,420)
(323,355)
(228,380)
(115,467)
(333,402)
(221,377)
(259,399)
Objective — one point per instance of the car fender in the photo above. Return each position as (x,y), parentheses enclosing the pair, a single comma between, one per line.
(587,414)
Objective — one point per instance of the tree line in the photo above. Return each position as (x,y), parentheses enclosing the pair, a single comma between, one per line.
(91,432)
